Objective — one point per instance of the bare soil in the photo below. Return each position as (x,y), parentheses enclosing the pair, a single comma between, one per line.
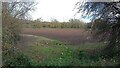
(68,36)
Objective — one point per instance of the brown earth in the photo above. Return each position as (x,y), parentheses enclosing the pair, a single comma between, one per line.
(68,36)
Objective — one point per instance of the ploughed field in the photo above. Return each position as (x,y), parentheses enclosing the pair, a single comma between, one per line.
(68,36)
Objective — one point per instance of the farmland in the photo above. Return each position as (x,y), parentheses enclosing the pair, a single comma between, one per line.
(44,48)
(60,47)
(71,36)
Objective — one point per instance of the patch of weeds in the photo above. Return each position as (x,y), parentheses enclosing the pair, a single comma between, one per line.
(64,59)
(82,55)
(16,59)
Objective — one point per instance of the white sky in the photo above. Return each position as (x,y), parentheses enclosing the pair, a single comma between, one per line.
(57,9)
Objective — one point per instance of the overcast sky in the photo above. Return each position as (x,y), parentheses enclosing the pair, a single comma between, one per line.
(58,9)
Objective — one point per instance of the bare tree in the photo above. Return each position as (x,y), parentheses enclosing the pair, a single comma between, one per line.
(12,14)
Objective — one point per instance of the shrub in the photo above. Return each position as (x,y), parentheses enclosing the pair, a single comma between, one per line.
(13,57)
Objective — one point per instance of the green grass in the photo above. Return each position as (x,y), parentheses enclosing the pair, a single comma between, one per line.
(90,46)
(48,52)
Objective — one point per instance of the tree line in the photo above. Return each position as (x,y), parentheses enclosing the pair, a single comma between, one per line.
(73,23)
